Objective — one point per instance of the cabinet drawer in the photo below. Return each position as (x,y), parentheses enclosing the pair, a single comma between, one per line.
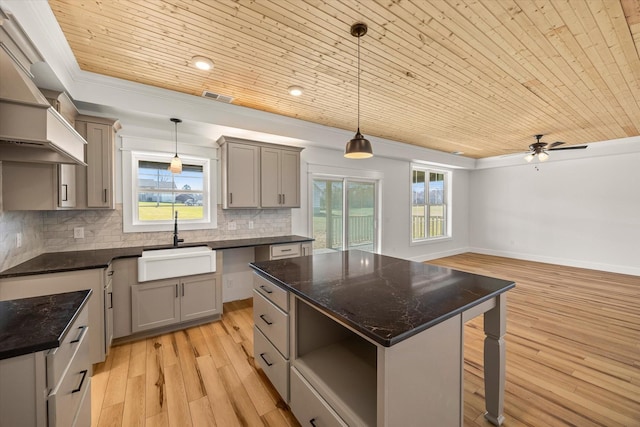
(65,399)
(83,416)
(272,363)
(272,322)
(285,251)
(58,359)
(272,292)
(309,408)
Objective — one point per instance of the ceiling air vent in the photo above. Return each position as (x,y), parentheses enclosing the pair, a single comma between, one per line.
(217,97)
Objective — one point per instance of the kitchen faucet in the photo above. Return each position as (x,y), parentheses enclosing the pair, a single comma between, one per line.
(175,233)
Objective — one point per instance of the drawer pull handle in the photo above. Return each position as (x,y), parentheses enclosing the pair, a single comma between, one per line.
(265,360)
(82,328)
(265,320)
(84,375)
(110,300)
(312,421)
(267,290)
(285,250)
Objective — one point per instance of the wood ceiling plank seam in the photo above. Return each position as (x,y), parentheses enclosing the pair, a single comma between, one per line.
(528,19)
(562,39)
(601,57)
(495,25)
(389,81)
(120,59)
(524,93)
(630,68)
(600,52)
(574,42)
(343,11)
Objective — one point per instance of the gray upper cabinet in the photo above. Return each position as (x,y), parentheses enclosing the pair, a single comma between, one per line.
(100,175)
(240,172)
(280,178)
(259,175)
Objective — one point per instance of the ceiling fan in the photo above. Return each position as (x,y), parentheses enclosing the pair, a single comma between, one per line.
(541,149)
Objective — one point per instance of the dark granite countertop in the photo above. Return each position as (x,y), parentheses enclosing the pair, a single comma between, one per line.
(54,262)
(29,325)
(386,299)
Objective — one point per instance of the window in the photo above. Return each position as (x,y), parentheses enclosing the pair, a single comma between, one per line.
(430,211)
(152,195)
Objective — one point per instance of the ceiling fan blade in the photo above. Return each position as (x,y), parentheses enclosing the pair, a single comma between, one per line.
(554,144)
(571,147)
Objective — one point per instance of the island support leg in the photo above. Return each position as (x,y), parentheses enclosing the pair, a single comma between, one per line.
(495,325)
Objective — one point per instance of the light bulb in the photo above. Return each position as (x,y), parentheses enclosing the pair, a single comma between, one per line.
(529,157)
(543,156)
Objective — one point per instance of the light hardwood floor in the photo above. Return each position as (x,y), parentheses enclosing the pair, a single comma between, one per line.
(573,359)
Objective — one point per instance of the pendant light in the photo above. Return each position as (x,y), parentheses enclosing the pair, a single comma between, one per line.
(358,147)
(176,163)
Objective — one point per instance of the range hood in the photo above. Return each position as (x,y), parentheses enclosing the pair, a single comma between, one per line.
(30,129)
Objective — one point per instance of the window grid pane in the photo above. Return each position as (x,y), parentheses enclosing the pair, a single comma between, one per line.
(428,206)
(161,193)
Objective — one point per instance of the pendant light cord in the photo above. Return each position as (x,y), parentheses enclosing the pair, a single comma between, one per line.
(359,83)
(176,127)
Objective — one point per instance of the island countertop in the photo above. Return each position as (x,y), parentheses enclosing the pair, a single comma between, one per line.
(384,298)
(28,325)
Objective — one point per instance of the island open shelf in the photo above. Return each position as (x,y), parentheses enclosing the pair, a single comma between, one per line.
(338,363)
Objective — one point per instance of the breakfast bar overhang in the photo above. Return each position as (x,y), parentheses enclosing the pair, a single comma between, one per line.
(380,339)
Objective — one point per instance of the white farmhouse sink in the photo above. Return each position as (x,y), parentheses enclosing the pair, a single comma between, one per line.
(175,262)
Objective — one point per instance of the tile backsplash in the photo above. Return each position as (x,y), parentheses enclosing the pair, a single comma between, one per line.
(52,231)
(29,225)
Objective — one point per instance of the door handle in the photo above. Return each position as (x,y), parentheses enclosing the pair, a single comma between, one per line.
(267,290)
(82,329)
(105,195)
(265,360)
(265,320)
(65,198)
(84,375)
(110,299)
(230,198)
(176,290)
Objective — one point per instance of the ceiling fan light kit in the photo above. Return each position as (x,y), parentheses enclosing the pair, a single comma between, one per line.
(358,147)
(541,149)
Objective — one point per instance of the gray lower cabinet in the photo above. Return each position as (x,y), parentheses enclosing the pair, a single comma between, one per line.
(271,332)
(49,388)
(165,302)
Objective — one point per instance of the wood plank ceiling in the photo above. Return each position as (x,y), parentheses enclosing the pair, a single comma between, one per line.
(477,76)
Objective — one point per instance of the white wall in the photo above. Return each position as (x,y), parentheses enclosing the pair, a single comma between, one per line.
(396,198)
(583,212)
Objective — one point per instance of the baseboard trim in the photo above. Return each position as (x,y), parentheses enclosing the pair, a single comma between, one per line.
(435,255)
(611,268)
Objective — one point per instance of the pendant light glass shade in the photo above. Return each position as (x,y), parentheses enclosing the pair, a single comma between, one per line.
(176,163)
(358,147)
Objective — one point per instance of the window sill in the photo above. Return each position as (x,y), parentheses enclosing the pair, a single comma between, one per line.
(430,241)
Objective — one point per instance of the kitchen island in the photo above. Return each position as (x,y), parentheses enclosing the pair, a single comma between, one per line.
(376,340)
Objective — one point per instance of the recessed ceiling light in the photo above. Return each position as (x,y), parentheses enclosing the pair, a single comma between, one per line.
(202,63)
(457,153)
(295,90)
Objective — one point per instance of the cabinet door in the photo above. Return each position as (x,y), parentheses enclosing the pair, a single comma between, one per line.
(270,194)
(290,179)
(99,166)
(154,304)
(67,186)
(242,176)
(199,297)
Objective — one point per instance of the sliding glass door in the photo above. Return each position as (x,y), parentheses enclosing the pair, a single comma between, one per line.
(344,214)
